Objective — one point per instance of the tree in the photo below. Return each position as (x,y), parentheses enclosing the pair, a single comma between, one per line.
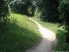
(64,15)
(49,9)
(20,6)
(4,10)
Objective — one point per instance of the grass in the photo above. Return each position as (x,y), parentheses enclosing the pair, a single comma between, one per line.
(48,25)
(62,45)
(19,34)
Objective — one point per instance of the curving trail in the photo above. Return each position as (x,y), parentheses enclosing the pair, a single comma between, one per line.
(48,40)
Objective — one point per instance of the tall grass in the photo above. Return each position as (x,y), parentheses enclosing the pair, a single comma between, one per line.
(19,34)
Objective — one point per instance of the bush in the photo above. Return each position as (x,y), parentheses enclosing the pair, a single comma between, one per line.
(62,45)
(64,15)
(37,13)
(23,7)
(64,11)
(63,32)
(4,10)
(31,10)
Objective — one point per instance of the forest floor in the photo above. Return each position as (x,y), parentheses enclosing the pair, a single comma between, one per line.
(48,40)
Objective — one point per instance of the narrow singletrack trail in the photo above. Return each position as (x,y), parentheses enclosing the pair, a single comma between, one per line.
(48,40)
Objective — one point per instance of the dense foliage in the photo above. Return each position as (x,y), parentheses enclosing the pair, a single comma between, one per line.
(64,15)
(48,9)
(4,10)
(63,32)
(22,6)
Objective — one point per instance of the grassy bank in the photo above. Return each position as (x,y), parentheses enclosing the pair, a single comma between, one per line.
(19,34)
(62,45)
(48,25)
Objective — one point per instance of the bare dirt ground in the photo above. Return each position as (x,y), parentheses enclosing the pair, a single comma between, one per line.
(48,40)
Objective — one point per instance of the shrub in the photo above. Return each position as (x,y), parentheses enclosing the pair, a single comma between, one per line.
(23,7)
(64,15)
(62,45)
(63,33)
(4,10)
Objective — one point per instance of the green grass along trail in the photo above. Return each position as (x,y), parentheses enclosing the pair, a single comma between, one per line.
(48,40)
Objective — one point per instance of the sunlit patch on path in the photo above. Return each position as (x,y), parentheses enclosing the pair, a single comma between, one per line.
(48,40)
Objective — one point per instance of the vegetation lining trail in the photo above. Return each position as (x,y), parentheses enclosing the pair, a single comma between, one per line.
(48,41)
(19,34)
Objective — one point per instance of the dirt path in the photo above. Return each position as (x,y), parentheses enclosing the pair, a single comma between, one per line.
(48,41)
